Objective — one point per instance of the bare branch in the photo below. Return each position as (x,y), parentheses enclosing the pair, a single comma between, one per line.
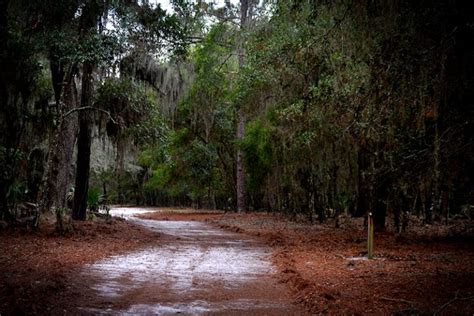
(224,62)
(86,108)
(397,300)
(456,298)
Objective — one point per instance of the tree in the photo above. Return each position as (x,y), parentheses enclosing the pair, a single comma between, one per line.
(91,14)
(151,25)
(313,109)
(240,168)
(30,29)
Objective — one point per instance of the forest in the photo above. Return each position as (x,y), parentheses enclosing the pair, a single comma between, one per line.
(311,112)
(308,108)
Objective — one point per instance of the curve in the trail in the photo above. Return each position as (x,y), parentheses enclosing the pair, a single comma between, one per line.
(198,269)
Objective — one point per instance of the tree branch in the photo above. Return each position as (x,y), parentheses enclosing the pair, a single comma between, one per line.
(398,300)
(86,108)
(225,61)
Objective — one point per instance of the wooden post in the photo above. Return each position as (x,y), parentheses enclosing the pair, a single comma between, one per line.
(370,239)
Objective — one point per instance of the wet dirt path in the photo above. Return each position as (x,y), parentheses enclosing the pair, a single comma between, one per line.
(198,269)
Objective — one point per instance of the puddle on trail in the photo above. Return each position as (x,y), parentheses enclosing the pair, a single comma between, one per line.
(198,270)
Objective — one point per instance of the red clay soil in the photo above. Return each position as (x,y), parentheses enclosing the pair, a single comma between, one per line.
(425,271)
(36,266)
(428,270)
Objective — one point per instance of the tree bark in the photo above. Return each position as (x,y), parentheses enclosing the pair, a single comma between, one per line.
(83,147)
(57,177)
(240,168)
(380,208)
(89,19)
(363,197)
(120,167)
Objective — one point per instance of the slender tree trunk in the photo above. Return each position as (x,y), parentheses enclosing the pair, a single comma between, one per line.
(240,165)
(240,168)
(83,147)
(362,206)
(334,183)
(380,211)
(119,167)
(435,191)
(380,189)
(396,205)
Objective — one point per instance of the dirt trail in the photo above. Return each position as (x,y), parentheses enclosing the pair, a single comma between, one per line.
(198,269)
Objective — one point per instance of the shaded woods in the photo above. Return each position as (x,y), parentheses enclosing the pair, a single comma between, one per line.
(306,115)
(349,108)
(312,109)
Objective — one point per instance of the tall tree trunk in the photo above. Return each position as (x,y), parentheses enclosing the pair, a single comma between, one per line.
(240,168)
(89,19)
(66,146)
(56,179)
(83,147)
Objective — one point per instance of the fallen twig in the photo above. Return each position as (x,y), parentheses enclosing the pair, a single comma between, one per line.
(412,308)
(451,301)
(398,300)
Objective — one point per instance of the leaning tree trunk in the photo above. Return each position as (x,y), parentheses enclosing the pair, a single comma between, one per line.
(240,169)
(83,147)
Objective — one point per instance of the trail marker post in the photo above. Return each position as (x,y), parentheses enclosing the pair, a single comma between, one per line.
(370,237)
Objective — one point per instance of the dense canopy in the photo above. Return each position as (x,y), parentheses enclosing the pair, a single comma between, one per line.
(312,108)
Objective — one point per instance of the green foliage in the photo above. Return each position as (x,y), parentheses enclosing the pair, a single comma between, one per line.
(336,84)
(124,94)
(94,198)
(43,84)
(132,105)
(150,28)
(349,106)
(192,159)
(15,194)
(46,44)
(99,49)
(258,154)
(188,170)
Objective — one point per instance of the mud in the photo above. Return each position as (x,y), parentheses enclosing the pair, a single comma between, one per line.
(198,269)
